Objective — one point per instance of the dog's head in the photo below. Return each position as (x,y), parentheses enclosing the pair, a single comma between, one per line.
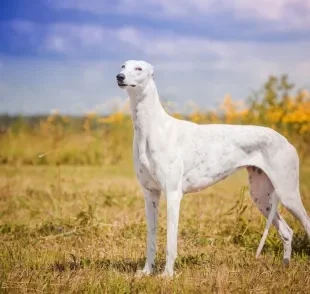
(134,74)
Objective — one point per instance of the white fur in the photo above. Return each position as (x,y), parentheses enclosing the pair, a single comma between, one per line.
(177,157)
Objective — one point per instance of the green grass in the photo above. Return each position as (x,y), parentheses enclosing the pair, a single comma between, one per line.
(75,229)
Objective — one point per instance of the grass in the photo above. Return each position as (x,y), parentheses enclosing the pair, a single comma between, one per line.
(82,229)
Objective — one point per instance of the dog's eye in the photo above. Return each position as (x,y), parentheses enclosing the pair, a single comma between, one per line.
(123,66)
(138,68)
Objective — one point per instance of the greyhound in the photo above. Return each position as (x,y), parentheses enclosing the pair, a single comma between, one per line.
(177,157)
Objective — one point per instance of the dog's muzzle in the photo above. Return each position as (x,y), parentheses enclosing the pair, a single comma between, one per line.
(120,80)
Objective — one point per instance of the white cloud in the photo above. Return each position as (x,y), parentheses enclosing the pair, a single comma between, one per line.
(279,14)
(69,38)
(56,44)
(186,67)
(76,40)
(23,26)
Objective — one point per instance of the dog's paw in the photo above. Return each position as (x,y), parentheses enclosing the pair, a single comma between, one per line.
(142,273)
(166,275)
(286,262)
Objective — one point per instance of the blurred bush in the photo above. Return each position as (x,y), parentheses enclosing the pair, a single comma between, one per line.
(93,139)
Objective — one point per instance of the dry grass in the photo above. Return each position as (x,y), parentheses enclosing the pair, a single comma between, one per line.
(73,229)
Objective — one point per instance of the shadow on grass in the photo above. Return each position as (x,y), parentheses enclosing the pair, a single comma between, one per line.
(124,265)
(301,244)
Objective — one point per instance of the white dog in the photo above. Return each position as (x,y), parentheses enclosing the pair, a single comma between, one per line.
(177,157)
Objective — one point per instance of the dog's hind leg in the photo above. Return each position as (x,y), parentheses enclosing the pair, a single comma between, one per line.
(263,194)
(272,214)
(292,202)
(288,191)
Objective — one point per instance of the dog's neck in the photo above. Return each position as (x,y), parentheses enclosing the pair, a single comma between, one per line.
(146,107)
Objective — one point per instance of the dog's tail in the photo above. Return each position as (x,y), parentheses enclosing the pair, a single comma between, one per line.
(273,211)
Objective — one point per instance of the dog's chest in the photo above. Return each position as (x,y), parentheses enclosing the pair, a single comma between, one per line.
(147,159)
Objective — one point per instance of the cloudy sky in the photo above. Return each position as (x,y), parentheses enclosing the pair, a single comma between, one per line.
(65,54)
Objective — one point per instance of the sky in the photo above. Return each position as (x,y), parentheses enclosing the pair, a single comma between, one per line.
(65,54)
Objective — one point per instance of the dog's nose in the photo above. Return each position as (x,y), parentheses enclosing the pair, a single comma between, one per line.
(120,77)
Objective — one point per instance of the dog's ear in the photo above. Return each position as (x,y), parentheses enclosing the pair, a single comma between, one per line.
(152,71)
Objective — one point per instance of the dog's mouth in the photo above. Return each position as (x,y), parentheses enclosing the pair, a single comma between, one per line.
(122,85)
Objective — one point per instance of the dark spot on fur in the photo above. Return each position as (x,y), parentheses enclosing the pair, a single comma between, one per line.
(154,204)
(153,265)
(140,170)
(267,208)
(259,171)
(254,168)
(250,178)
(256,200)
(149,189)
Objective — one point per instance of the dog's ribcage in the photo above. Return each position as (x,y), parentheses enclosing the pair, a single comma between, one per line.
(208,153)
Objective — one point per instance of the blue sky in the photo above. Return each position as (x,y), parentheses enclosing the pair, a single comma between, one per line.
(65,54)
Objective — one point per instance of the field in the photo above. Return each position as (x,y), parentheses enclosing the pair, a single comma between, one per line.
(72,214)
(66,228)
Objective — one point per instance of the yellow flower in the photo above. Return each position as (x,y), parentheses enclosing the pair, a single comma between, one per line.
(114,118)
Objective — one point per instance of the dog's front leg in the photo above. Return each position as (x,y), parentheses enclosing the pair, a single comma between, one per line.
(151,208)
(173,210)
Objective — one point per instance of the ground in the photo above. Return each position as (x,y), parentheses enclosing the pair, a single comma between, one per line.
(72,229)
